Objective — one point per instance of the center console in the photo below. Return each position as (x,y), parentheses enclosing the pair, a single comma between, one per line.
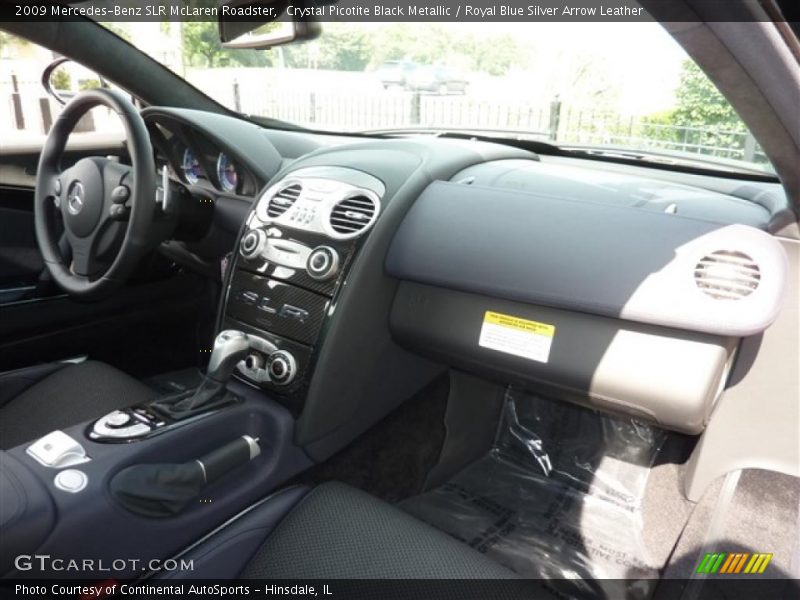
(133,487)
(294,254)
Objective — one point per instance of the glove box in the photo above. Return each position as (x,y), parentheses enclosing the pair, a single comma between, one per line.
(666,376)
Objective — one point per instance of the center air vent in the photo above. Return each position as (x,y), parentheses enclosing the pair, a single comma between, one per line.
(727,275)
(352,215)
(283,200)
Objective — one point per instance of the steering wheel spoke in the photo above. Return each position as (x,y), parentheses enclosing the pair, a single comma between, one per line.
(81,257)
(84,263)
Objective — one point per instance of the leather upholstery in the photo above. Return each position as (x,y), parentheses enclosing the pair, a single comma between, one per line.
(332,532)
(67,397)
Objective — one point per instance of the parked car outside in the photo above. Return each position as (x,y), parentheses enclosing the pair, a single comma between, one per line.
(396,73)
(438,79)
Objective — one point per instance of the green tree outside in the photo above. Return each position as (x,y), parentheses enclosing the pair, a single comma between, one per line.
(702,117)
(348,47)
(700,103)
(202,48)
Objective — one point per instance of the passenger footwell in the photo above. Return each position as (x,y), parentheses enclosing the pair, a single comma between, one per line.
(558,496)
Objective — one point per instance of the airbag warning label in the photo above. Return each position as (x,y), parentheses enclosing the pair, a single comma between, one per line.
(520,337)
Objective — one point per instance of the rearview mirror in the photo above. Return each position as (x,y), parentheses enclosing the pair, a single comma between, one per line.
(235,32)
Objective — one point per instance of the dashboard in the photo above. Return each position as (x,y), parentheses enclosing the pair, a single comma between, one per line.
(364,267)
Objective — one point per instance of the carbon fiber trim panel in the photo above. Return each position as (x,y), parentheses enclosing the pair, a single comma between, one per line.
(277,307)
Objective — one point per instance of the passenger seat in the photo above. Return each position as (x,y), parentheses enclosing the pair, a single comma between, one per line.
(332,531)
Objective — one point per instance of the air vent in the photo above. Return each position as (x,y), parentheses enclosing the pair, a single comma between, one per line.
(727,275)
(283,200)
(352,215)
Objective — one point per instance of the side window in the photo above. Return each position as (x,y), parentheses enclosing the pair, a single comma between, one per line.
(26,109)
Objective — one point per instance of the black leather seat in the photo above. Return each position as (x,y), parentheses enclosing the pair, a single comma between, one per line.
(332,531)
(70,395)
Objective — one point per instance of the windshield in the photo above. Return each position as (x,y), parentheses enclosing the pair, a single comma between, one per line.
(624,87)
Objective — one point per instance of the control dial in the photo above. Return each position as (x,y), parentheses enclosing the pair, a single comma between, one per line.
(118,419)
(281,367)
(322,263)
(254,362)
(252,243)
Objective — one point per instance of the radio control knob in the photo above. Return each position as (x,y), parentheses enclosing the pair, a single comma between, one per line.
(252,243)
(322,263)
(281,367)
(117,419)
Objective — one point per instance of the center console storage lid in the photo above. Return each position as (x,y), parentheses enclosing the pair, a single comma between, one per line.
(614,261)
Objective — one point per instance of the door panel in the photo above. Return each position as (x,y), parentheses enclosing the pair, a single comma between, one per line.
(143,329)
(20,260)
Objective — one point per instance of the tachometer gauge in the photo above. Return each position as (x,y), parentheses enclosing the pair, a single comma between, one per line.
(191,167)
(226,173)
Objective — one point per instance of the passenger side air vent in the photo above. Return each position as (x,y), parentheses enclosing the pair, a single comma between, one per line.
(283,200)
(352,215)
(727,275)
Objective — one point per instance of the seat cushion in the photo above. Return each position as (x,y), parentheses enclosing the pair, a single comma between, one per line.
(69,396)
(225,552)
(338,532)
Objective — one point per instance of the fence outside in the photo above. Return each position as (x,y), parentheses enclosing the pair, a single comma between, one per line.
(341,101)
(554,122)
(27,112)
(24,106)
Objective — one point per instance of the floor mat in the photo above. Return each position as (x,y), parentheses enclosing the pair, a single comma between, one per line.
(559,496)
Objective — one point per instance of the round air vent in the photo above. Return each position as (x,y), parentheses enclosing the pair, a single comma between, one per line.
(283,200)
(352,215)
(727,275)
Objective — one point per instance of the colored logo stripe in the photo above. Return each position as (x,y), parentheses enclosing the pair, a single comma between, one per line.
(758,563)
(732,563)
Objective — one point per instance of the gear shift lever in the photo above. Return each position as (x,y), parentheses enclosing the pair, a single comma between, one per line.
(230,346)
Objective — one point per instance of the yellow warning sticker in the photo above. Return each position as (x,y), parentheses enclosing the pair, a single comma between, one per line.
(517,336)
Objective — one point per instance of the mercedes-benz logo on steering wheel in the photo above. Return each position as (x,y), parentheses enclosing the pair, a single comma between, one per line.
(75,198)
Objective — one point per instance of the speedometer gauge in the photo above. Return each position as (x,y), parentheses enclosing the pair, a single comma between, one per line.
(191,167)
(226,173)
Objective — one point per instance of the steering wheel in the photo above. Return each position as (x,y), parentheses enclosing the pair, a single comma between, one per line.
(107,208)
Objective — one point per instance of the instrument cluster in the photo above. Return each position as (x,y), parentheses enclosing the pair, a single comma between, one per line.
(227,176)
(199,162)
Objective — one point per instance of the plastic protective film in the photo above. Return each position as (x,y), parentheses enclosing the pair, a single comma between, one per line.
(559,496)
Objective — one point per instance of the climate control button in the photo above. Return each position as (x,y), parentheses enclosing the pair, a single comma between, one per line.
(252,243)
(323,263)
